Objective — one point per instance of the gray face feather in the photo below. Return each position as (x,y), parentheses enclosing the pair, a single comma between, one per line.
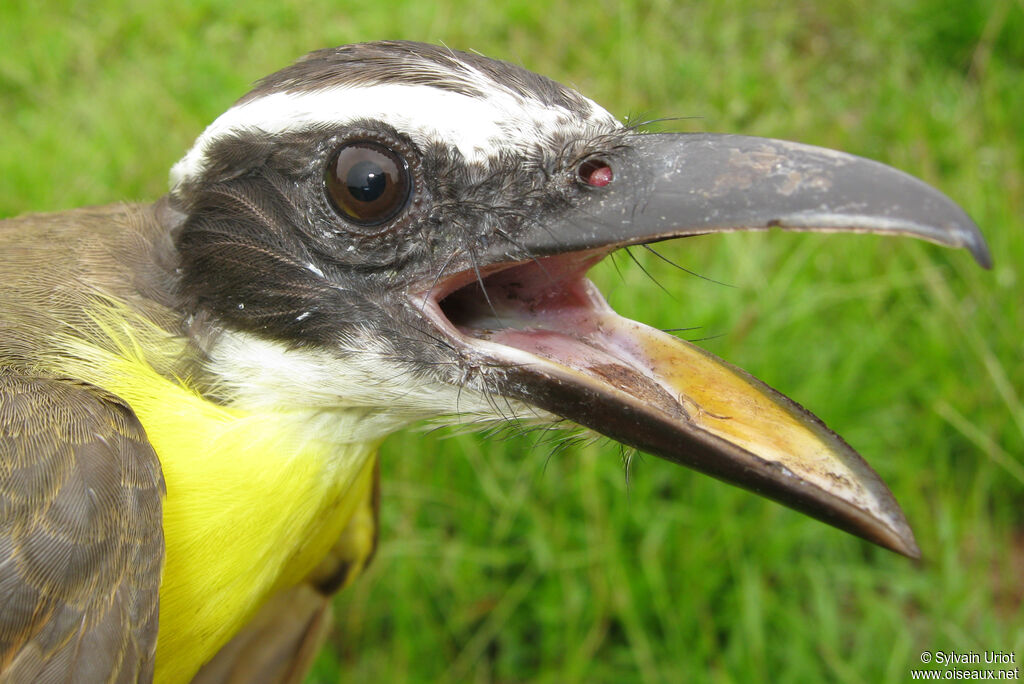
(263,250)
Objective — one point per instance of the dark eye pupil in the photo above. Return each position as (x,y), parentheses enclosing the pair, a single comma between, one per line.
(368,183)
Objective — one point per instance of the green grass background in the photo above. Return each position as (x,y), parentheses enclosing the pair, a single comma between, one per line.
(500,562)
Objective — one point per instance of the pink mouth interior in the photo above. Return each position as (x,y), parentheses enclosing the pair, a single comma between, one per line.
(548,308)
(545,307)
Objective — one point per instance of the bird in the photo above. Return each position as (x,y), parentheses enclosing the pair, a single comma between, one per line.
(193,391)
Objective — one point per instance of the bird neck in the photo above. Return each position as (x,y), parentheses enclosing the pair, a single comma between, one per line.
(256,497)
(254,502)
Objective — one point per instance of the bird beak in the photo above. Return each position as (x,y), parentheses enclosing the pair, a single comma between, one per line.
(540,332)
(672,185)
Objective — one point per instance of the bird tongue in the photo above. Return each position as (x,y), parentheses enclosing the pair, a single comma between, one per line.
(575,357)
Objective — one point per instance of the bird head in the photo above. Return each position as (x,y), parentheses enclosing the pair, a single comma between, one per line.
(401,231)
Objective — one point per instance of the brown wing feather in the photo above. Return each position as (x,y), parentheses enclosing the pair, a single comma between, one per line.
(81,536)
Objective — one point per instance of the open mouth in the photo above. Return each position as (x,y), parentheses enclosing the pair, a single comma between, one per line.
(550,309)
(560,347)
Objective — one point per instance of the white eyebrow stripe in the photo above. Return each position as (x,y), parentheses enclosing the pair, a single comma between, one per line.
(475,126)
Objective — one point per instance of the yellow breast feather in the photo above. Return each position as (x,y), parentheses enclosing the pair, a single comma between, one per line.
(254,499)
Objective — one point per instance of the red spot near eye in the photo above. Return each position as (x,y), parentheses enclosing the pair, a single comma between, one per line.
(596,172)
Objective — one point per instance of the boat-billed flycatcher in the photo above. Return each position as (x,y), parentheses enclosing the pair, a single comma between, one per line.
(192,392)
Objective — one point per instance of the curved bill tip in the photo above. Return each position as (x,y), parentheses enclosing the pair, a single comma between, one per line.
(907,545)
(978,248)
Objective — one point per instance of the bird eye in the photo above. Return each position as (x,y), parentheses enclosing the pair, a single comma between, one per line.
(367,182)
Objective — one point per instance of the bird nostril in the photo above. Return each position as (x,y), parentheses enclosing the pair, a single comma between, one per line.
(595,172)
